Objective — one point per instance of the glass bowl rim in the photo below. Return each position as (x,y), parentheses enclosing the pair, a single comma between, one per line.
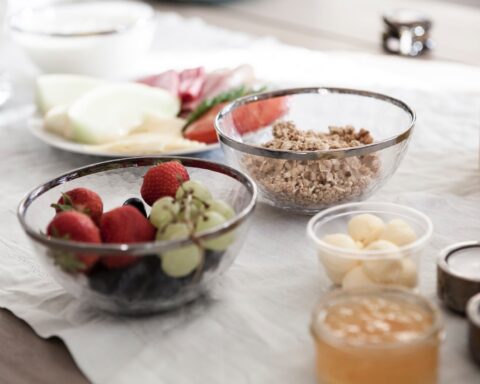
(320,154)
(363,254)
(437,325)
(136,248)
(112,31)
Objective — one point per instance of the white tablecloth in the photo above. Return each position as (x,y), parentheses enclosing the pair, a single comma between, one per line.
(253,328)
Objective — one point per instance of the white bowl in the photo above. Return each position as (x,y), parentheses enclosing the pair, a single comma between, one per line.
(100,38)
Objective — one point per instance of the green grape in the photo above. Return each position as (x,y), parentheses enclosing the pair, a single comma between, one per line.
(191,214)
(197,189)
(181,261)
(200,205)
(174,231)
(221,207)
(211,220)
(163,212)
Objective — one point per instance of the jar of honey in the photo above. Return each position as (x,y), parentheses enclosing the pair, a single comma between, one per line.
(376,336)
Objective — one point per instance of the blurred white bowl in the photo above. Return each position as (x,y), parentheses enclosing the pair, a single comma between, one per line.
(101,38)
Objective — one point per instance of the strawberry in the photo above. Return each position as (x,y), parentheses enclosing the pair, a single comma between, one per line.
(82,200)
(163,180)
(124,225)
(246,118)
(75,226)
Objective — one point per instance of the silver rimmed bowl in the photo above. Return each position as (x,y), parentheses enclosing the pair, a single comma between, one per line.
(141,287)
(307,181)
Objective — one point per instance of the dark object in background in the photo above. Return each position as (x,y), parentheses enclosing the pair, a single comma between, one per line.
(473,313)
(454,288)
(406,33)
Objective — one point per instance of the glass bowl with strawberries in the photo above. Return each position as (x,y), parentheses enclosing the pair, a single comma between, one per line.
(312,148)
(139,235)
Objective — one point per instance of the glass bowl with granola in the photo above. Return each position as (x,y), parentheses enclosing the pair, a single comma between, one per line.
(312,148)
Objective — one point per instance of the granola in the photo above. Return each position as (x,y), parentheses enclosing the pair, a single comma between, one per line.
(314,182)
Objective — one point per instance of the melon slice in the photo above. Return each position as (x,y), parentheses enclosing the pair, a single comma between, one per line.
(55,90)
(112,111)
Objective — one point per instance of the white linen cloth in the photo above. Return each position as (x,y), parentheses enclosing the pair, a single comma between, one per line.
(253,327)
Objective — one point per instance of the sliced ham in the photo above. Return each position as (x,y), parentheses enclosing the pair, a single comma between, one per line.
(220,81)
(169,80)
(191,84)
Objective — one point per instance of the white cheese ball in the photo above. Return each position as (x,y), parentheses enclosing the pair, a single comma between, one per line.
(365,228)
(399,232)
(385,271)
(340,240)
(336,265)
(357,278)
(359,244)
(409,273)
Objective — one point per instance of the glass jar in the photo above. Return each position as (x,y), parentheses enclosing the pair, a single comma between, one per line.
(376,336)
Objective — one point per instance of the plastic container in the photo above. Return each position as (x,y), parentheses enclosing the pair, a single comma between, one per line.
(355,267)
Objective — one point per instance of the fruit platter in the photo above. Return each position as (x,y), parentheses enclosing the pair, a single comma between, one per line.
(171,112)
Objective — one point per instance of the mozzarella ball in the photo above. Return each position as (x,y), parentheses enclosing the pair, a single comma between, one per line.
(336,265)
(409,273)
(357,278)
(340,240)
(365,228)
(382,245)
(399,232)
(385,271)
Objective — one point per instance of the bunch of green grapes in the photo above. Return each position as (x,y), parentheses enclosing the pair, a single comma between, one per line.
(191,212)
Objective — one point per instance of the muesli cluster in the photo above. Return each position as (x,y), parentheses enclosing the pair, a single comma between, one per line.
(313,182)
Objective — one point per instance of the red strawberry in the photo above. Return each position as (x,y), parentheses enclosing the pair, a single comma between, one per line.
(124,225)
(163,180)
(246,118)
(75,226)
(82,200)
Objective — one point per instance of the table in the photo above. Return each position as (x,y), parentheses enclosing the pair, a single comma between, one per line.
(24,357)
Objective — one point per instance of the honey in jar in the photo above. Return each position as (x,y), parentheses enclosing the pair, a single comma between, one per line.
(376,336)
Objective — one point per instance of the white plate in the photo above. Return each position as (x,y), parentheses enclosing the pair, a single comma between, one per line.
(35,126)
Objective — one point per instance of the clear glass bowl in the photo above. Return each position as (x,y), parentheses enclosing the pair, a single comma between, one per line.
(348,267)
(359,353)
(308,181)
(142,287)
